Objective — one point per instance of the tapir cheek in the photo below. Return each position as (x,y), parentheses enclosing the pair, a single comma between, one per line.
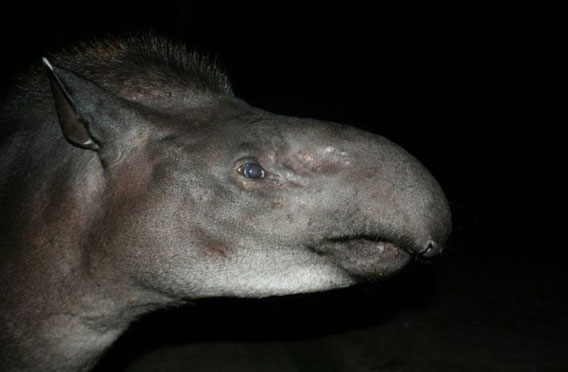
(201,197)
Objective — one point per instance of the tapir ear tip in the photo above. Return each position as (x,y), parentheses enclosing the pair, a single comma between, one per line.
(47,63)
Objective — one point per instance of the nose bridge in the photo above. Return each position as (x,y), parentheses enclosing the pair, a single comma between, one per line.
(396,192)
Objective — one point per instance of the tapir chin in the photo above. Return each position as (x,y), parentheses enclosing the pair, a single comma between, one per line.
(131,179)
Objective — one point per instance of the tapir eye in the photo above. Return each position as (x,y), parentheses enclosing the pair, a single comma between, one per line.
(251,170)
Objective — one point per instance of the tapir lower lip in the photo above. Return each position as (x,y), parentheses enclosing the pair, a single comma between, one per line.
(376,239)
(364,256)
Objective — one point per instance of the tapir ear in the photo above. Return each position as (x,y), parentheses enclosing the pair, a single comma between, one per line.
(89,115)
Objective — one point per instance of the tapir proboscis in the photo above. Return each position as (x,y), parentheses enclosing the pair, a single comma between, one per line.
(132,179)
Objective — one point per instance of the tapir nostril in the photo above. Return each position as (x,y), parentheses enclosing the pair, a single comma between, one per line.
(430,249)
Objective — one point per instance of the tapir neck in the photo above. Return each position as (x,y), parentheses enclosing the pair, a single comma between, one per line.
(71,333)
(62,306)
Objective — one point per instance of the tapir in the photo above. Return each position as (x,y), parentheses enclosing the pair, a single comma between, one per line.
(132,179)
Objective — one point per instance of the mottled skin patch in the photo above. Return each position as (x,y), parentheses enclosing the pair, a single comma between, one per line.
(120,194)
(211,245)
(327,160)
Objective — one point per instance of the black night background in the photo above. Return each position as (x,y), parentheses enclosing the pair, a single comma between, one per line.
(474,91)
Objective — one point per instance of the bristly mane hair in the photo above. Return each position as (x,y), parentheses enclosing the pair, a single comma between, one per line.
(132,64)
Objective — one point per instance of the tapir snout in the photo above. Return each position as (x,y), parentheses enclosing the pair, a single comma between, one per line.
(381,205)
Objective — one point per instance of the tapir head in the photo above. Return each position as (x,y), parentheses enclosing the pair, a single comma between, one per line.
(203,195)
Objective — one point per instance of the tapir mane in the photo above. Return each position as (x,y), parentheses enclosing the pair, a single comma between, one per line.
(132,66)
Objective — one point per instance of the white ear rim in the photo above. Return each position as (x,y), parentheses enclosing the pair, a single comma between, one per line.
(47,63)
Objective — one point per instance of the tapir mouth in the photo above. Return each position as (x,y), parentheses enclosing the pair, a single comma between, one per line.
(365,256)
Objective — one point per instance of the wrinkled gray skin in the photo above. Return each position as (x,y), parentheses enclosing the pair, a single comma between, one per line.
(120,194)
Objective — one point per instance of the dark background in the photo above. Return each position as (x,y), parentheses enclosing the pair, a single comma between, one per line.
(475,91)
